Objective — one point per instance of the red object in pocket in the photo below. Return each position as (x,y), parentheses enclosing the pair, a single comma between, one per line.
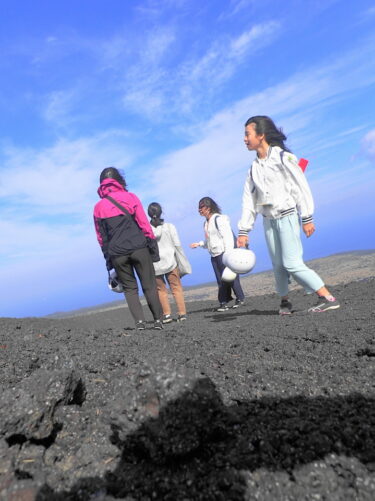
(303,163)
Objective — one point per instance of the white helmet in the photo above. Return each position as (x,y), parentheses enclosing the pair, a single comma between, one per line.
(228,275)
(113,282)
(240,260)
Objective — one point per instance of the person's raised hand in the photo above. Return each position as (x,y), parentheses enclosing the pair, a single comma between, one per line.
(194,245)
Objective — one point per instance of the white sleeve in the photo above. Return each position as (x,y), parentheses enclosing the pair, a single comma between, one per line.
(246,223)
(225,231)
(300,187)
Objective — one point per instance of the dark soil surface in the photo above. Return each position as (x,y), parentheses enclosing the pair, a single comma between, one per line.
(240,405)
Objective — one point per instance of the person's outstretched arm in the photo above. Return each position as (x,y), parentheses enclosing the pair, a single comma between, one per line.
(248,216)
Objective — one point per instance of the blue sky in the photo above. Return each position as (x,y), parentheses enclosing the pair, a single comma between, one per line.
(161,89)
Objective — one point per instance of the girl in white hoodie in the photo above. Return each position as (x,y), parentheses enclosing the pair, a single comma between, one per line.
(277,188)
(166,269)
(219,239)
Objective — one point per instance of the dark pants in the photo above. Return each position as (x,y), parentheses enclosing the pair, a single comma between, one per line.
(140,261)
(225,288)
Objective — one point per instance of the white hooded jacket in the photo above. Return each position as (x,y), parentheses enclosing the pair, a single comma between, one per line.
(219,235)
(275,186)
(167,238)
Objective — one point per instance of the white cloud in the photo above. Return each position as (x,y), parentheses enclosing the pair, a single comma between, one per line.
(368,144)
(47,205)
(221,59)
(58,108)
(155,9)
(155,89)
(151,69)
(237,6)
(366,15)
(49,193)
(216,163)
(45,241)
(144,75)
(347,187)
(147,51)
(63,177)
(261,34)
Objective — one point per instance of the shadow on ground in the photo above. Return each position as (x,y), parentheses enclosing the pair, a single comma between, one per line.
(235,314)
(196,448)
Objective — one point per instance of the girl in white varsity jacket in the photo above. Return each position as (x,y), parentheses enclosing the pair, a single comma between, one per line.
(277,188)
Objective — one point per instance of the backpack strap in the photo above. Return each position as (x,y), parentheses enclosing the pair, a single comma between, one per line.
(125,211)
(252,180)
(121,207)
(217,227)
(282,156)
(234,236)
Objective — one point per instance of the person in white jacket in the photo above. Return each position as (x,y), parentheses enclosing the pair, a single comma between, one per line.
(166,269)
(276,188)
(219,239)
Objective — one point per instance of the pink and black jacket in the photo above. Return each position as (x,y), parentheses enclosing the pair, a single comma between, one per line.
(120,234)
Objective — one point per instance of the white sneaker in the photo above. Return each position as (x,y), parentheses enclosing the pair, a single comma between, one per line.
(324,304)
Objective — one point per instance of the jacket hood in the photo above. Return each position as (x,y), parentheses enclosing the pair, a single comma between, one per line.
(108,186)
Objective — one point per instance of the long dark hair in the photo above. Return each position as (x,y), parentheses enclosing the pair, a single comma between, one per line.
(113,173)
(154,211)
(210,204)
(265,125)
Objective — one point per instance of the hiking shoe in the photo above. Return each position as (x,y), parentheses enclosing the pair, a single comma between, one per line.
(167,319)
(324,304)
(158,325)
(238,303)
(140,325)
(285,307)
(223,307)
(181,318)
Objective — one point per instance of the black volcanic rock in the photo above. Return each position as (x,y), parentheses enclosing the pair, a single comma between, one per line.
(27,410)
(240,405)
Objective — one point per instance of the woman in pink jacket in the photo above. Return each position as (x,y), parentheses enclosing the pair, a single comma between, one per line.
(125,236)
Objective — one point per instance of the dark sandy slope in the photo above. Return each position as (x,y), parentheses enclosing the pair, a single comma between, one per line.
(233,406)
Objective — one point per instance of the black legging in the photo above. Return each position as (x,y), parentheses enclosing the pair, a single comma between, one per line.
(140,261)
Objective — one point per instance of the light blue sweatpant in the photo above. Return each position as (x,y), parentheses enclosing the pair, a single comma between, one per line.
(283,238)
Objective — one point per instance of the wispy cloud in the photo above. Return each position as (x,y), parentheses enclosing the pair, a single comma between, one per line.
(147,69)
(150,85)
(253,39)
(155,9)
(218,158)
(177,83)
(58,107)
(47,202)
(368,144)
(235,7)
(63,177)
(366,14)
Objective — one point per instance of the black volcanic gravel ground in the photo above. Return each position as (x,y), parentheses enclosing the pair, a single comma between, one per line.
(243,405)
